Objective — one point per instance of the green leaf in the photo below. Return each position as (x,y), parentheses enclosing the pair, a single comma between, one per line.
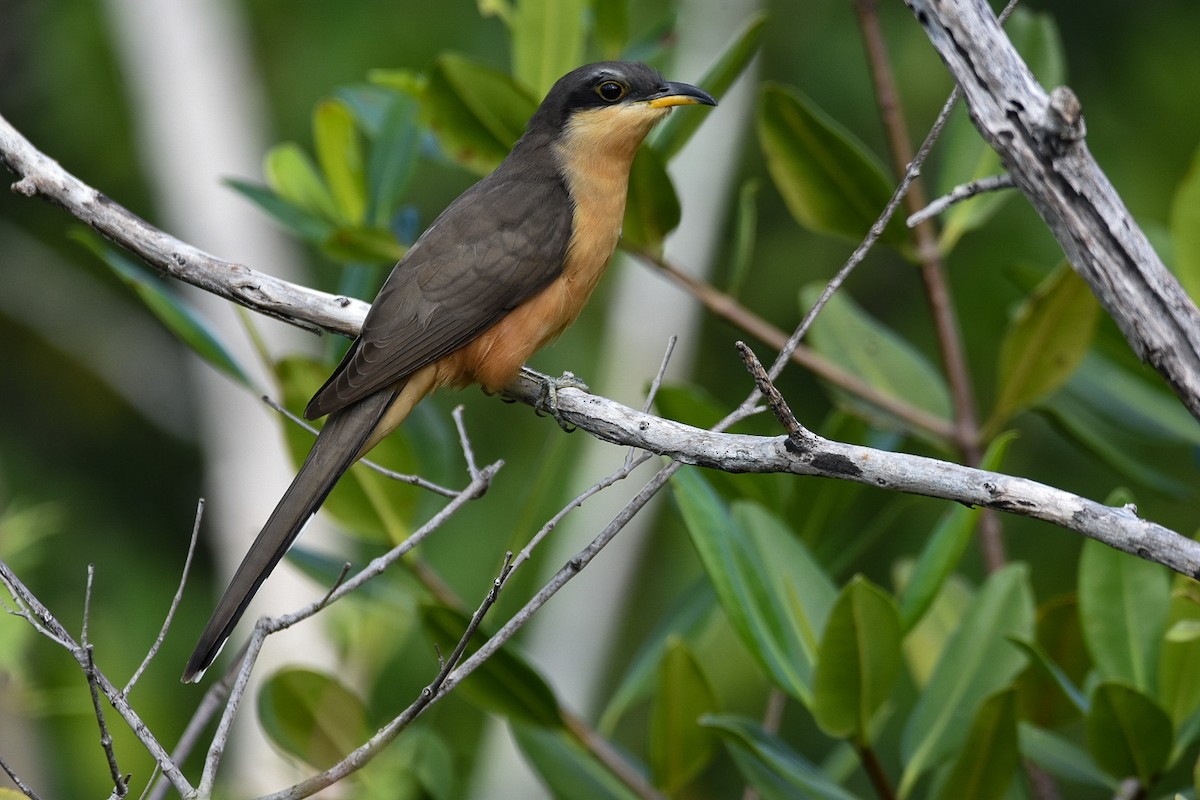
(417,766)
(990,756)
(476,112)
(684,619)
(944,549)
(547,41)
(925,643)
(340,154)
(1061,758)
(1127,733)
(295,219)
(1040,658)
(363,246)
(679,747)
(312,716)
(393,160)
(291,175)
(566,767)
(610,24)
(770,766)
(1179,657)
(856,341)
(1036,37)
(745,233)
(505,684)
(858,660)
(1123,604)
(732,62)
(178,317)
(367,504)
(829,180)
(651,43)
(1185,229)
(793,571)
(939,556)
(1130,423)
(775,596)
(496,8)
(688,403)
(965,154)
(1050,696)
(1142,405)
(405,81)
(653,210)
(977,661)
(369,104)
(1044,343)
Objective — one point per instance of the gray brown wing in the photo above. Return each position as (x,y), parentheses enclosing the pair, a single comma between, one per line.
(497,245)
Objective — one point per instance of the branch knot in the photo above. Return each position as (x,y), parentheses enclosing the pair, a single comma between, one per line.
(1062,124)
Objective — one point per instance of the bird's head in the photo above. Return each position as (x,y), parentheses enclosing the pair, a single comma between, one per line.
(609,106)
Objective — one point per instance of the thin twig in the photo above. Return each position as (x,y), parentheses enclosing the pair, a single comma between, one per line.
(960,193)
(456,655)
(216,748)
(120,784)
(875,771)
(612,760)
(465,442)
(269,625)
(412,480)
(209,706)
(346,567)
(728,308)
(656,384)
(175,601)
(566,573)
(356,758)
(40,617)
(87,604)
(775,400)
(88,663)
(618,475)
(23,611)
(933,273)
(20,784)
(150,784)
(856,258)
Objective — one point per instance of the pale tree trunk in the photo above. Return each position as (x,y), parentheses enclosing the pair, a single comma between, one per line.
(198,113)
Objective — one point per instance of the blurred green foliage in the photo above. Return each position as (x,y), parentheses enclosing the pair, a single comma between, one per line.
(871,614)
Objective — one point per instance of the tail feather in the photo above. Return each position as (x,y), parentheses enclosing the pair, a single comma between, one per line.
(337,447)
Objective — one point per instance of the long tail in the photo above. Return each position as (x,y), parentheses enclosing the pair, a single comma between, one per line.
(337,447)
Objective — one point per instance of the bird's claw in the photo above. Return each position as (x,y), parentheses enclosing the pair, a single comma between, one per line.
(547,403)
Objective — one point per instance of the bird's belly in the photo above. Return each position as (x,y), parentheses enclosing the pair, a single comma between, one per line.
(497,355)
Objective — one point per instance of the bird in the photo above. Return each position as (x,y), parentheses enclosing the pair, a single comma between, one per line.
(501,272)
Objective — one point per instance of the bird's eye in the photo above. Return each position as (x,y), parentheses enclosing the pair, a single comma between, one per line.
(610,91)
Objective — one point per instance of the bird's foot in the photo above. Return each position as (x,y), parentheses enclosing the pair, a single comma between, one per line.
(548,401)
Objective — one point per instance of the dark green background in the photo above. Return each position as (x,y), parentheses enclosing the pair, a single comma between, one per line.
(119,491)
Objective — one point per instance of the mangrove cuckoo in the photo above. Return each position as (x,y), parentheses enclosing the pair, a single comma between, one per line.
(500,273)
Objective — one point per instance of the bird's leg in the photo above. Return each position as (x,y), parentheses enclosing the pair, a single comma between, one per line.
(548,401)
